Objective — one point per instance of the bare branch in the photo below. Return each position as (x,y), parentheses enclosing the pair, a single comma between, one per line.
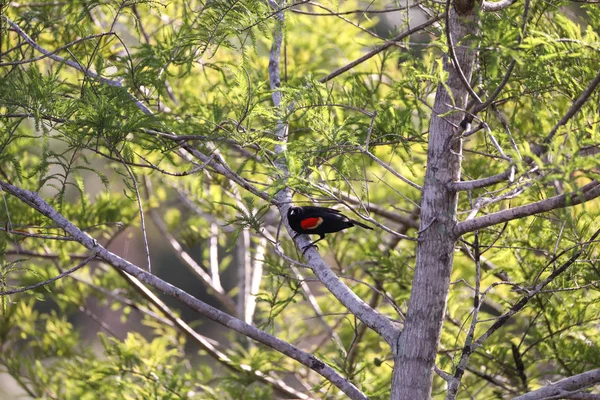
(48,281)
(564,387)
(454,381)
(363,11)
(214,287)
(410,221)
(218,164)
(483,182)
(381,48)
(585,193)
(390,169)
(532,292)
(255,278)
(511,66)
(454,58)
(575,107)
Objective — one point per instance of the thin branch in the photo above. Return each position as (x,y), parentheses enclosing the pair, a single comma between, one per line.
(575,107)
(483,182)
(255,278)
(362,11)
(454,59)
(36,235)
(467,350)
(75,65)
(48,281)
(411,221)
(388,168)
(59,49)
(215,288)
(213,257)
(366,218)
(532,292)
(244,268)
(218,164)
(140,206)
(584,194)
(495,142)
(482,106)
(338,15)
(381,48)
(491,379)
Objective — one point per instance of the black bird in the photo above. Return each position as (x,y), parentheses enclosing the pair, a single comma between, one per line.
(312,220)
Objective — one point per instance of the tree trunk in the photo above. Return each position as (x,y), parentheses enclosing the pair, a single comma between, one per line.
(417,346)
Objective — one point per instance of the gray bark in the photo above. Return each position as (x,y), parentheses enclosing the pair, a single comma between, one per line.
(417,345)
(567,387)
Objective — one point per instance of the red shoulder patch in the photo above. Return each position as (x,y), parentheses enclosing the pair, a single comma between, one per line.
(311,223)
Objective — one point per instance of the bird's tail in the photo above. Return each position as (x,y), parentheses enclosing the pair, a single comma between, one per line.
(361,224)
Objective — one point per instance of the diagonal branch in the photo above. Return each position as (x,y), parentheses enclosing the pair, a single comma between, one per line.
(75,65)
(50,280)
(564,387)
(57,50)
(370,317)
(533,292)
(207,344)
(452,54)
(575,107)
(213,286)
(381,48)
(310,361)
(585,193)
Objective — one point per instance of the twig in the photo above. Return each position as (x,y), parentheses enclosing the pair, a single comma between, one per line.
(455,381)
(57,50)
(575,107)
(379,49)
(75,65)
(533,292)
(48,281)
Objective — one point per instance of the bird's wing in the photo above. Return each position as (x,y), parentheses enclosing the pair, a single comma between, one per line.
(316,209)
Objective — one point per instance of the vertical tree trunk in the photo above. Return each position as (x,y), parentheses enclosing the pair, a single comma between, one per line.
(417,346)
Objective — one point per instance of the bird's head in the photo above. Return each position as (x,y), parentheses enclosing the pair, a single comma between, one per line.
(294,212)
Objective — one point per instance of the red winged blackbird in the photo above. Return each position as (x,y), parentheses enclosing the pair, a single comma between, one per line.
(312,220)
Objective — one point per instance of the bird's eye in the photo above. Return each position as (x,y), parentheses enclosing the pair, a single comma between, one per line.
(292,212)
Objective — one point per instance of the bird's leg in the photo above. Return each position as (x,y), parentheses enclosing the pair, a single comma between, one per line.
(321,237)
